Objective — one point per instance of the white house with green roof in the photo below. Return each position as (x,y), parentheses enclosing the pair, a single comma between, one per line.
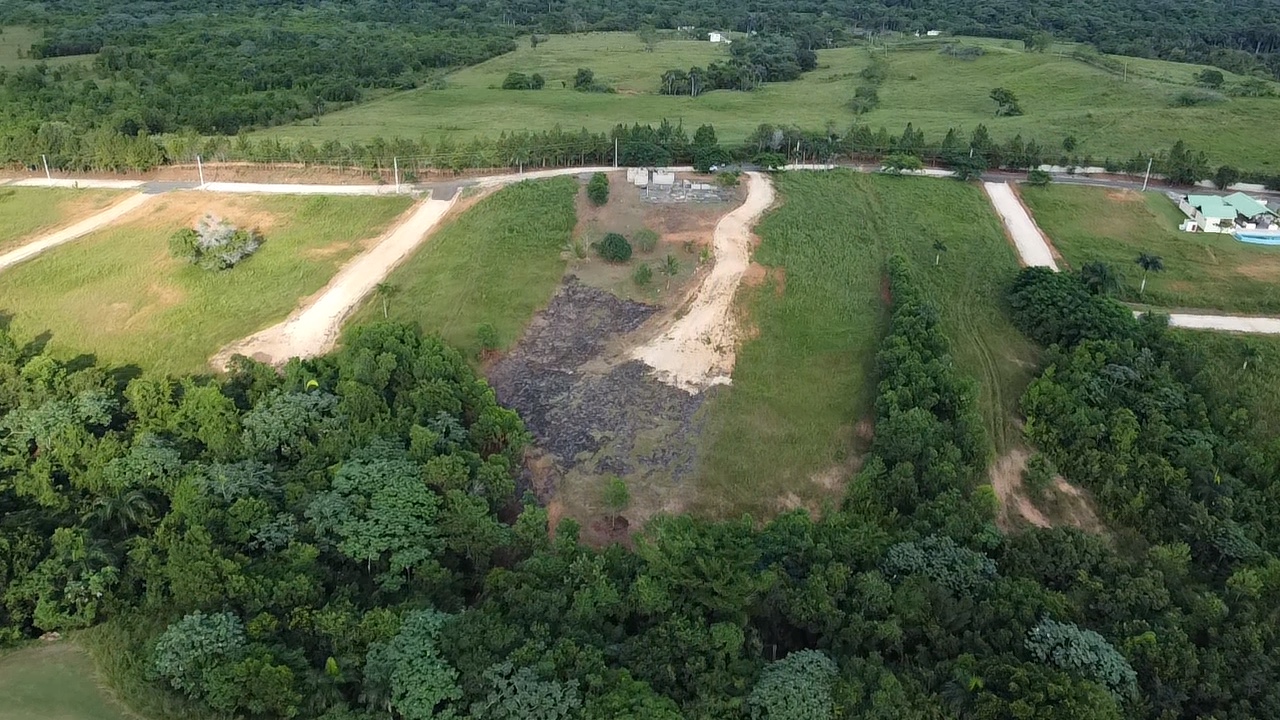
(1225,213)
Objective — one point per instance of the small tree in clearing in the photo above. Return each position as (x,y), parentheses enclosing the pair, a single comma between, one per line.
(598,189)
(642,275)
(939,247)
(384,291)
(1148,263)
(670,268)
(614,248)
(616,499)
(214,244)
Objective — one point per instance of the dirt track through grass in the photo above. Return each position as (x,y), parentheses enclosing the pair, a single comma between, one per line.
(787,432)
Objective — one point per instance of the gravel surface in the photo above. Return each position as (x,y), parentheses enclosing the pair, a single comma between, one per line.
(1032,246)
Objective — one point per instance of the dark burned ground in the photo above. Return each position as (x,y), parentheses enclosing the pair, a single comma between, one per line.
(593,417)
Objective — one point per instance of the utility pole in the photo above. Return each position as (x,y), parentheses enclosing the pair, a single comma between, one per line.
(615,152)
(395,165)
(1147,179)
(45,158)
(200,169)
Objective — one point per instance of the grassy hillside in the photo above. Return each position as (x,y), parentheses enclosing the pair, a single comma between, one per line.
(119,294)
(27,213)
(497,263)
(807,378)
(1107,114)
(15,42)
(1201,270)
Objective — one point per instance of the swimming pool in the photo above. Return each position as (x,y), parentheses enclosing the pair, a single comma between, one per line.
(1259,238)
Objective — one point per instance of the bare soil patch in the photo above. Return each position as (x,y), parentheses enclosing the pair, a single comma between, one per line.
(1061,504)
(185,209)
(1124,195)
(1263,268)
(594,414)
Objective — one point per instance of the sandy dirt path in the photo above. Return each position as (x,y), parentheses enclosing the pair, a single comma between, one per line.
(71,232)
(314,328)
(1032,246)
(698,350)
(1229,323)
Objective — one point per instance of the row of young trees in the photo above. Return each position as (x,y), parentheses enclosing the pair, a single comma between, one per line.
(664,144)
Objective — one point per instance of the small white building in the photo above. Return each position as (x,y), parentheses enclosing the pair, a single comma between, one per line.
(719,37)
(933,33)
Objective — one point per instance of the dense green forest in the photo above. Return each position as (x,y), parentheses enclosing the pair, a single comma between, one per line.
(218,68)
(344,539)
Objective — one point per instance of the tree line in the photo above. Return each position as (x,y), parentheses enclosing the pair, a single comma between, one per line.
(752,61)
(635,145)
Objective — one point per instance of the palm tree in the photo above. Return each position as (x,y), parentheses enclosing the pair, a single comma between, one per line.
(1099,277)
(1251,353)
(1148,263)
(121,513)
(938,247)
(670,268)
(385,291)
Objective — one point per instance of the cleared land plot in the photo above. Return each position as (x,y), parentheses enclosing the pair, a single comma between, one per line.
(15,44)
(1201,270)
(792,426)
(118,294)
(27,213)
(1061,96)
(496,264)
(53,682)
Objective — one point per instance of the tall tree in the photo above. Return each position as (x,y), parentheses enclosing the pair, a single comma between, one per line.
(1149,264)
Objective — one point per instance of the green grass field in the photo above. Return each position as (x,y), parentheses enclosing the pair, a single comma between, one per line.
(26,213)
(15,43)
(118,294)
(53,682)
(1061,96)
(497,263)
(805,381)
(1202,270)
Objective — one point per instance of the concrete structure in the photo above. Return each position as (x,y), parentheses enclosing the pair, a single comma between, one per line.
(660,178)
(1224,214)
(934,33)
(719,37)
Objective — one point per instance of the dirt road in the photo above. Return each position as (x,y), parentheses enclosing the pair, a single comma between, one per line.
(1229,323)
(314,328)
(1032,246)
(697,351)
(71,232)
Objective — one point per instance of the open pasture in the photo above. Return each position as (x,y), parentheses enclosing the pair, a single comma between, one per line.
(1106,114)
(1201,270)
(117,293)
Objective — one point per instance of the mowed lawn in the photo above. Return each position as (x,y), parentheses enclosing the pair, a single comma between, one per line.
(788,425)
(28,213)
(53,682)
(1107,115)
(497,263)
(118,294)
(1201,270)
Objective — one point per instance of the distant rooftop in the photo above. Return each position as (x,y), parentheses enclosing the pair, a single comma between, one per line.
(1227,208)
(1246,205)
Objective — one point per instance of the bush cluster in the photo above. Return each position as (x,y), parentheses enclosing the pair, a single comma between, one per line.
(214,244)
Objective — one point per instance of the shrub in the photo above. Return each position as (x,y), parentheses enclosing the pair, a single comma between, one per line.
(598,189)
(727,179)
(214,244)
(643,275)
(771,161)
(962,52)
(899,162)
(1194,97)
(1039,178)
(487,336)
(645,240)
(865,99)
(614,248)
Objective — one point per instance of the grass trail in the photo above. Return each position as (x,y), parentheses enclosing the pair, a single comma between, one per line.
(53,682)
(1201,270)
(118,294)
(496,263)
(788,425)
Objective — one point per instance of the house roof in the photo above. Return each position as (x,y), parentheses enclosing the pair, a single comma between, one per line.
(1246,205)
(1212,206)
